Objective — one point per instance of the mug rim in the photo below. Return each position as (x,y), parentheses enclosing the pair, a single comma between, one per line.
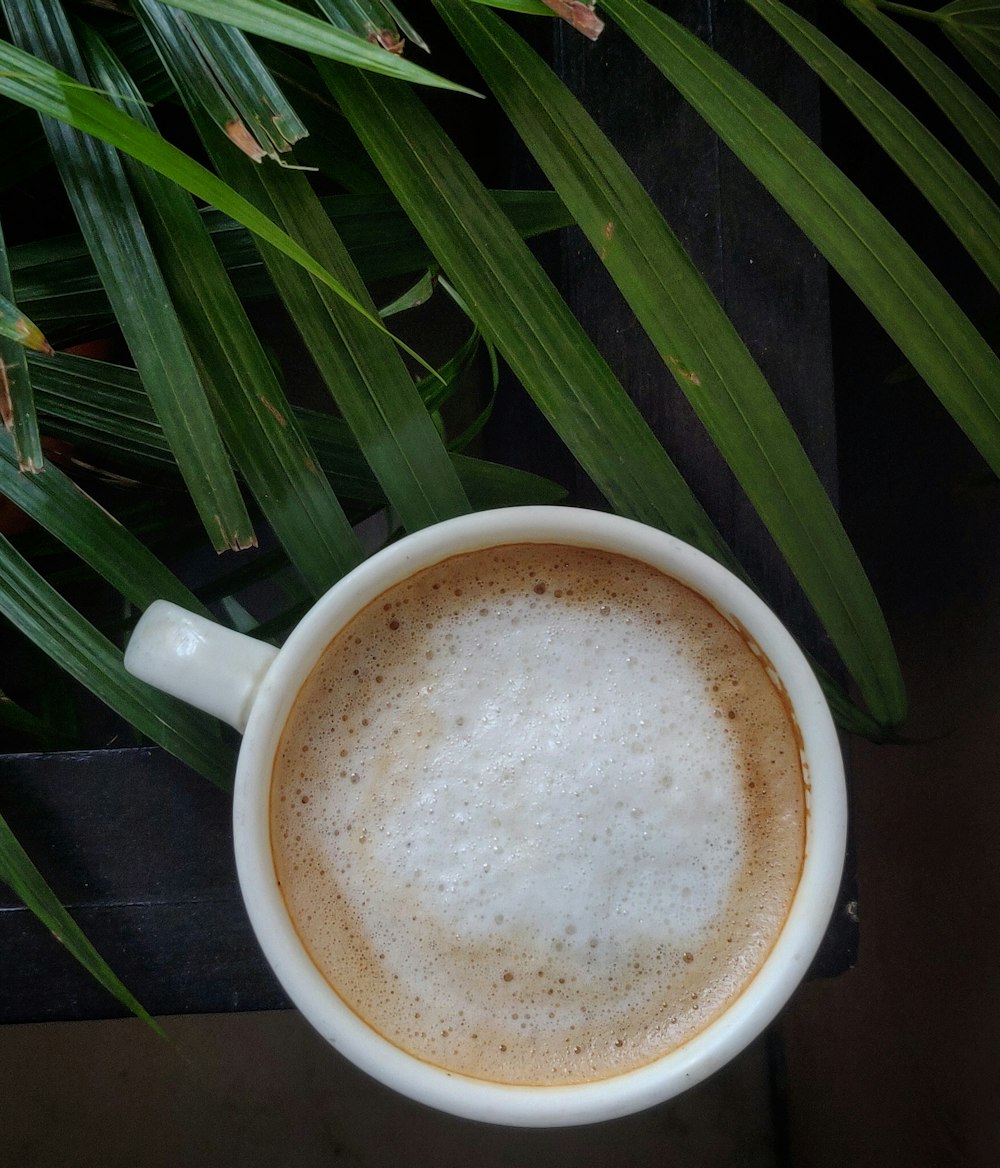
(741,1020)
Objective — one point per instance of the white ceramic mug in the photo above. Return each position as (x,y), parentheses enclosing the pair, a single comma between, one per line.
(253,686)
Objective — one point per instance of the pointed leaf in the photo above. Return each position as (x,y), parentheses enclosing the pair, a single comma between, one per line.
(963,205)
(968,113)
(697,342)
(517,308)
(27,883)
(883,270)
(102,201)
(15,326)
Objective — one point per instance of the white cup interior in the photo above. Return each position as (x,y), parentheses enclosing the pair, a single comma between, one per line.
(723,1038)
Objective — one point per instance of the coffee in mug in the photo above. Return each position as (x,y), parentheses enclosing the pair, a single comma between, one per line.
(537,813)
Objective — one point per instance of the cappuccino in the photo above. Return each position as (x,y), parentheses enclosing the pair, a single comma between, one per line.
(538,814)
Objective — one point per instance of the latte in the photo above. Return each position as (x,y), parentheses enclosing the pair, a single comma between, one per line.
(538,814)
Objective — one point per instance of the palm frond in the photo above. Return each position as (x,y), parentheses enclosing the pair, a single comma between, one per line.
(697,343)
(895,285)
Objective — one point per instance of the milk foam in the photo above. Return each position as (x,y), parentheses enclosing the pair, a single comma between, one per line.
(538,814)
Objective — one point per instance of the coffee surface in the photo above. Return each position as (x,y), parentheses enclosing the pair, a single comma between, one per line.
(538,814)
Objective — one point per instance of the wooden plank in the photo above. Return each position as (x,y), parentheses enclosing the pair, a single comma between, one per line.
(139,848)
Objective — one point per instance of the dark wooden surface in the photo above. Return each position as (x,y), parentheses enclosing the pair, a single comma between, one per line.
(139,848)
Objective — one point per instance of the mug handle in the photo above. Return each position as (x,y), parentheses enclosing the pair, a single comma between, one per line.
(200,662)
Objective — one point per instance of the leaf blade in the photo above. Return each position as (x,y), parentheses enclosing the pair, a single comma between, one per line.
(517,308)
(247,399)
(963,205)
(696,340)
(102,201)
(966,110)
(894,284)
(21,875)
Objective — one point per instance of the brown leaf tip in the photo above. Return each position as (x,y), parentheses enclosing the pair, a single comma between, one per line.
(240,136)
(388,39)
(580,16)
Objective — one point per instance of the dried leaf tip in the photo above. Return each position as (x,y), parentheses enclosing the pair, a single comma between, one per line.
(16,326)
(239,135)
(32,338)
(388,39)
(580,16)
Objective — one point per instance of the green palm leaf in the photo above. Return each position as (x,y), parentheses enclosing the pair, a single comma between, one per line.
(249,403)
(517,308)
(19,873)
(102,200)
(696,341)
(883,270)
(963,205)
(968,113)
